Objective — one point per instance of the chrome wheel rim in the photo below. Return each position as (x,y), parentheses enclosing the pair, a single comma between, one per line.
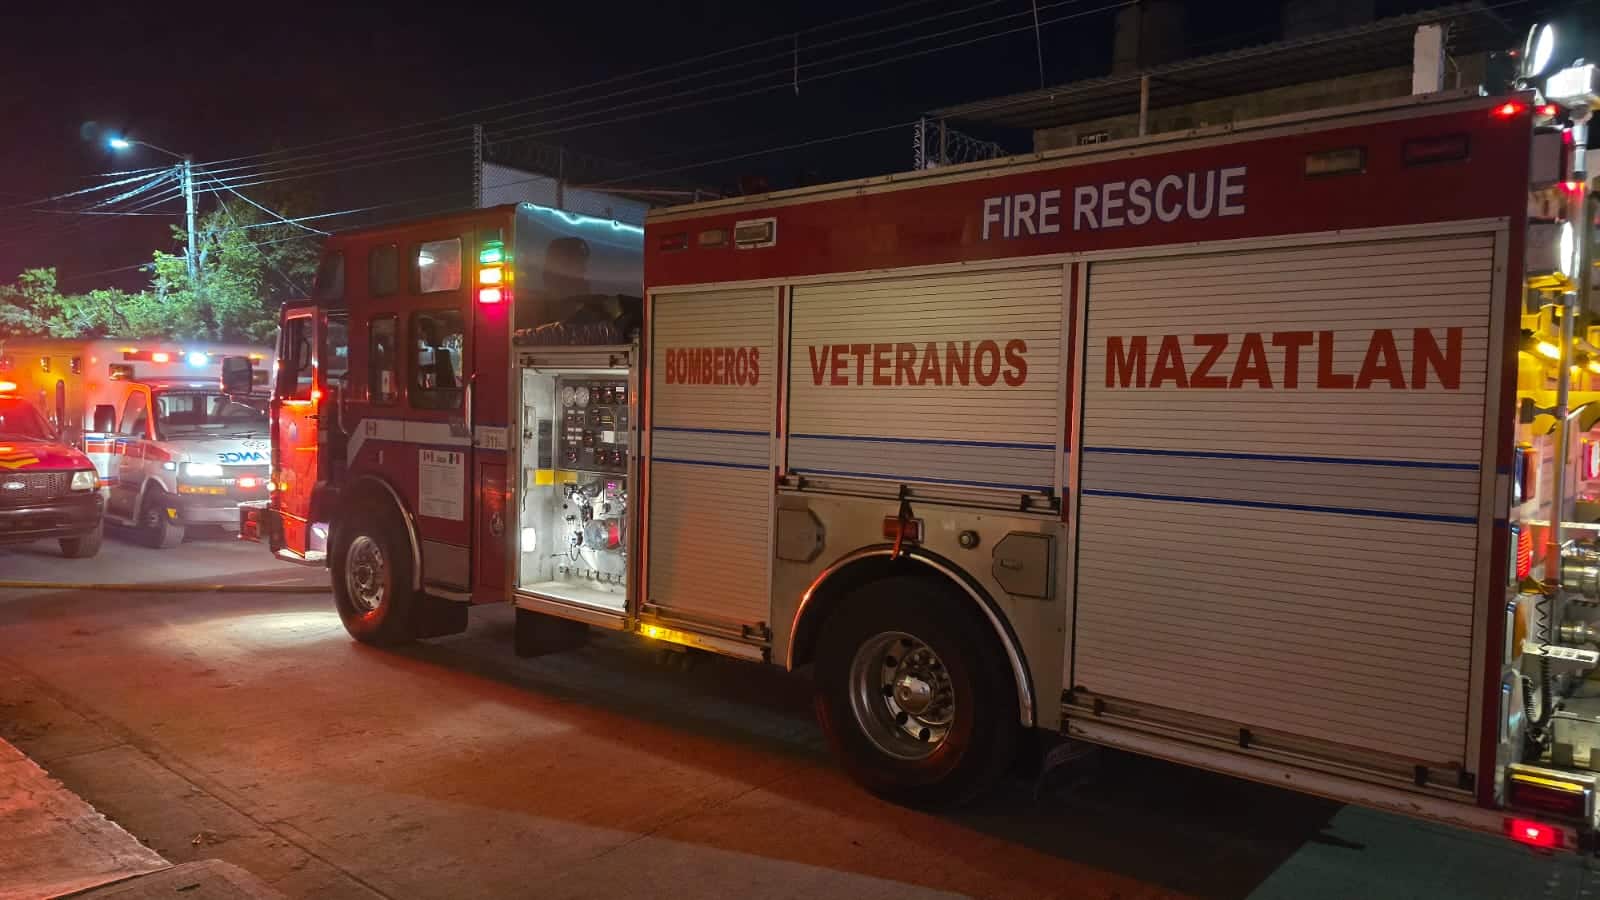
(902,695)
(366,574)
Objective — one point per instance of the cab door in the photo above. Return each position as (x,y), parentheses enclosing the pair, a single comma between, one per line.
(296,417)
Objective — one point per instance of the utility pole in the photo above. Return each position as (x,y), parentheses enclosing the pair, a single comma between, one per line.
(190,255)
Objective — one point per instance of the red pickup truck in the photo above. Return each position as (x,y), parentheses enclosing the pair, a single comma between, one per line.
(48,490)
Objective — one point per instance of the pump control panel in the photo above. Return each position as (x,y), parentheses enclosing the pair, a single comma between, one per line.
(594,424)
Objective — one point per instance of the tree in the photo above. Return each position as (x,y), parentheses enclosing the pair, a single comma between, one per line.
(246,268)
(249,263)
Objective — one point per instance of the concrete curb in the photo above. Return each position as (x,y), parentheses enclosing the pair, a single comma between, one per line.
(206,879)
(55,843)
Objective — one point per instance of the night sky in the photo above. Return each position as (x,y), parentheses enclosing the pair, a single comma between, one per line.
(227,80)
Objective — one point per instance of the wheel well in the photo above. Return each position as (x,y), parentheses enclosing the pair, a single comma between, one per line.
(369,490)
(872,564)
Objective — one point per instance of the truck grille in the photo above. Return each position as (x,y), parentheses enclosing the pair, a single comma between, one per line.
(35,486)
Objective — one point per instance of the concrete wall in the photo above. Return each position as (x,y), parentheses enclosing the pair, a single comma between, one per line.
(1380,85)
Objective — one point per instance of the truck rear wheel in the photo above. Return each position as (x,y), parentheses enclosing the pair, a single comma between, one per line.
(372,579)
(84,545)
(914,694)
(156,523)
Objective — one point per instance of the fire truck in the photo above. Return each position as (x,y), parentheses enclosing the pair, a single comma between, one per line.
(171,449)
(1260,449)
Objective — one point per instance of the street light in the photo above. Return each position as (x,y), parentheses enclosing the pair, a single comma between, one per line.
(186,170)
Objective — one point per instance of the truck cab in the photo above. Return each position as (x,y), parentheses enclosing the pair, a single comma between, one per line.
(48,490)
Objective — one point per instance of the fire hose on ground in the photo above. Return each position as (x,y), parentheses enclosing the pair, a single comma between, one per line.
(171,587)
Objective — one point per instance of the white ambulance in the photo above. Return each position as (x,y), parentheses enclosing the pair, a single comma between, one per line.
(171,448)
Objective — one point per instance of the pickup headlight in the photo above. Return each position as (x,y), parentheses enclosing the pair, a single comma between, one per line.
(202,470)
(85,480)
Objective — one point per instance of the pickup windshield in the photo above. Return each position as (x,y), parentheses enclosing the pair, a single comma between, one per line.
(193,413)
(19,421)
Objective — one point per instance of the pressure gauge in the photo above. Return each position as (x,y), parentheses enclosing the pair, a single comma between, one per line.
(567,395)
(583,396)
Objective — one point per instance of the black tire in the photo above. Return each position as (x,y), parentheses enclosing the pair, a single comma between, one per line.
(377,607)
(157,528)
(880,751)
(84,545)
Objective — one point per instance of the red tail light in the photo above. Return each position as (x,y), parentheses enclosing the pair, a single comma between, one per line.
(489,295)
(1535,834)
(248,482)
(1509,109)
(1524,553)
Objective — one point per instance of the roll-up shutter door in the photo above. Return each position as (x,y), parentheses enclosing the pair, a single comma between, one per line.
(940,379)
(1280,489)
(712,388)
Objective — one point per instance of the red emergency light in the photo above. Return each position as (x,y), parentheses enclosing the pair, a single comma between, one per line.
(1509,109)
(1535,834)
(7,387)
(490,295)
(248,482)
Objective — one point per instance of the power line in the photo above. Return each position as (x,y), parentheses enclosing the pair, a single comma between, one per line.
(593,84)
(285,165)
(543,129)
(276,215)
(269,260)
(291,163)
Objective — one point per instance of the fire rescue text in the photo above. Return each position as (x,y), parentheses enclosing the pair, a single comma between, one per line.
(969,362)
(1128,361)
(1114,204)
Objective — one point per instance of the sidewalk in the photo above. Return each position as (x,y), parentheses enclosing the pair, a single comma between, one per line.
(52,844)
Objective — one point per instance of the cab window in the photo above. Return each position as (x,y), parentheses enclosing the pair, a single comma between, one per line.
(330,277)
(438,266)
(336,358)
(135,416)
(20,421)
(437,339)
(383,270)
(383,338)
(295,359)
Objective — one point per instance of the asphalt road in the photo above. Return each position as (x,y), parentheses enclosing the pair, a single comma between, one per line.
(248,727)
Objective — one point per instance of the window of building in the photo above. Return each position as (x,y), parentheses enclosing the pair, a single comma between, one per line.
(438,338)
(383,270)
(439,266)
(383,381)
(330,277)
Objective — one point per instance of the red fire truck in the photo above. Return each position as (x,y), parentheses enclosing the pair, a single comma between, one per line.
(1236,447)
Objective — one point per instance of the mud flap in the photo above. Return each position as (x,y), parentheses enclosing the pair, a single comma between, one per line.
(437,617)
(538,634)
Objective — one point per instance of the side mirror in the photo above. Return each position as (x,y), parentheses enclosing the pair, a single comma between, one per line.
(105,418)
(238,374)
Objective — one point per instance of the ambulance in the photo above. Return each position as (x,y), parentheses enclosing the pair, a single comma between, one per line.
(1252,448)
(171,448)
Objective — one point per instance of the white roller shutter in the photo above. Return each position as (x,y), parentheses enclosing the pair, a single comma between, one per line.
(941,379)
(1302,558)
(712,390)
